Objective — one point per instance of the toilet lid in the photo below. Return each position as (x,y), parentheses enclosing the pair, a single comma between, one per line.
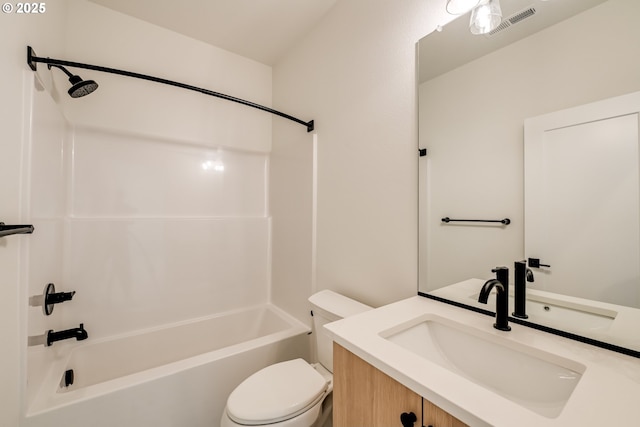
(276,393)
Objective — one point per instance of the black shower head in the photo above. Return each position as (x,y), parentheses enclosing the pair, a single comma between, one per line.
(79,87)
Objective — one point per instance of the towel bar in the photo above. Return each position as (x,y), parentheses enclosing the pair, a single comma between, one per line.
(505,221)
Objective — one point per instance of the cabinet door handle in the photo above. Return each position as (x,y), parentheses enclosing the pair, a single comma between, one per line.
(408,419)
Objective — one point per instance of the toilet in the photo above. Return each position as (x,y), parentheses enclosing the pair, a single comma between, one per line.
(294,393)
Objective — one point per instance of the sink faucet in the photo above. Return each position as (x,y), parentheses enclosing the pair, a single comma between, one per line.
(522,276)
(501,283)
(78,333)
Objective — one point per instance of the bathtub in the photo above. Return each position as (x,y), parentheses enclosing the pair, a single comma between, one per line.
(174,376)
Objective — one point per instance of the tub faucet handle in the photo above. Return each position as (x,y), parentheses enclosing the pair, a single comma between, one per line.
(52,297)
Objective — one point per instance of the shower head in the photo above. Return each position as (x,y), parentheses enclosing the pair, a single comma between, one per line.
(79,87)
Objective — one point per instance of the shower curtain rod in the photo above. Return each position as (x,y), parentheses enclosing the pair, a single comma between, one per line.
(32,60)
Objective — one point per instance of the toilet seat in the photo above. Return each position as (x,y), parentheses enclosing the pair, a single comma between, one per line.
(276,393)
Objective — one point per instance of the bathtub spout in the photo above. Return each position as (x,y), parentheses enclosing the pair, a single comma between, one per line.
(78,333)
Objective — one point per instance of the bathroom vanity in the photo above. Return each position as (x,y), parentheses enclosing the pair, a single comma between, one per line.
(399,357)
(365,396)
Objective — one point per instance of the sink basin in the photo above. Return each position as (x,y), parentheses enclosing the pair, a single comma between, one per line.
(560,314)
(539,381)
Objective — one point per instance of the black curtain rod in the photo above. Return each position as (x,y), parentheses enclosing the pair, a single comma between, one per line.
(32,59)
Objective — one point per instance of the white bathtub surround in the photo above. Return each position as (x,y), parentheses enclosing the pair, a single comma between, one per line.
(154,235)
(123,175)
(607,392)
(180,374)
(147,231)
(151,203)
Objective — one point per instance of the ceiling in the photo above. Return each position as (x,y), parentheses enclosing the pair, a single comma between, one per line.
(262,30)
(454,46)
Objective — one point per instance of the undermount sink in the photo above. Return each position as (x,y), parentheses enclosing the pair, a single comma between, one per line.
(561,314)
(539,381)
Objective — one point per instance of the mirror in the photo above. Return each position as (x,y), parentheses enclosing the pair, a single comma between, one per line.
(475,94)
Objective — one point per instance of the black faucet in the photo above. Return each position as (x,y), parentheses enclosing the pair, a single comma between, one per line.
(501,283)
(522,275)
(77,333)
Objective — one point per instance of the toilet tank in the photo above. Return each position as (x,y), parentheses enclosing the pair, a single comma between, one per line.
(328,306)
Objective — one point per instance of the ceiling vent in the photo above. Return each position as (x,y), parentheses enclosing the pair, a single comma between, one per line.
(513,19)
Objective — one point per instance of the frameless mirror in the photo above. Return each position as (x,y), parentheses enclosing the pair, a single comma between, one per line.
(478,95)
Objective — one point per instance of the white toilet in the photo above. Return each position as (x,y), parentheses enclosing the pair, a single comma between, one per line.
(293,393)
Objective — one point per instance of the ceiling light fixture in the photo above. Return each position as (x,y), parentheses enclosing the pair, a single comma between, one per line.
(485,17)
(459,7)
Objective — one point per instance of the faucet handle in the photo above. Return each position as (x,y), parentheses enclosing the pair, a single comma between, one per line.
(529,275)
(535,263)
(51,297)
(502,274)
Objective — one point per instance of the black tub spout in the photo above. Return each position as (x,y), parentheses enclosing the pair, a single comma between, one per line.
(78,333)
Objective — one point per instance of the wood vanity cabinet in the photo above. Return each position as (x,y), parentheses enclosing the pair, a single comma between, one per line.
(363,396)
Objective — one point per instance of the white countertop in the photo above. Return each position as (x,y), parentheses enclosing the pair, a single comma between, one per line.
(607,394)
(623,331)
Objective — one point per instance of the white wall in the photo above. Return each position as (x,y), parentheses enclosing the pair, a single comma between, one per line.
(471,120)
(101,36)
(16,31)
(355,75)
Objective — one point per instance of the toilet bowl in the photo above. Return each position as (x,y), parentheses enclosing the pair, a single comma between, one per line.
(290,394)
(294,393)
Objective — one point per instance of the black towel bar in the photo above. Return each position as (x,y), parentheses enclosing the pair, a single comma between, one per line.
(505,221)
